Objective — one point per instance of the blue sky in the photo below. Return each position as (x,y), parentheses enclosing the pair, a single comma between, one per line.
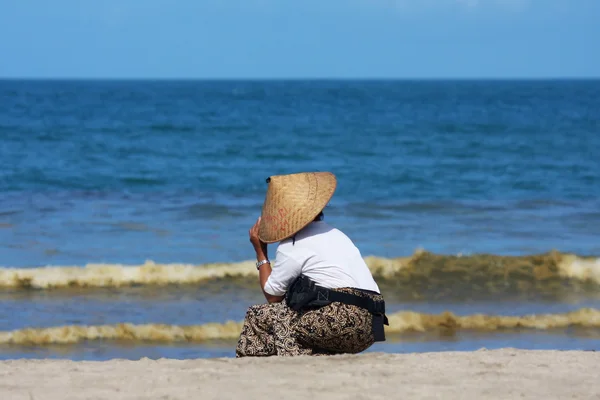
(299,39)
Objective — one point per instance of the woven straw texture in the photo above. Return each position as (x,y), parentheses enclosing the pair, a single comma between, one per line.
(292,202)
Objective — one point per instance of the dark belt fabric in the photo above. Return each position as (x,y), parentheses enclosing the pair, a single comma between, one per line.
(305,294)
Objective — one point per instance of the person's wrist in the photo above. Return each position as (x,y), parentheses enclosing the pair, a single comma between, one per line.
(261,253)
(261,257)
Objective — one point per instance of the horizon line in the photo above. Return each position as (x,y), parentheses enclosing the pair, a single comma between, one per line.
(275,79)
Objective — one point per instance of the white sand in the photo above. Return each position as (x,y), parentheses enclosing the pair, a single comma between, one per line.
(498,374)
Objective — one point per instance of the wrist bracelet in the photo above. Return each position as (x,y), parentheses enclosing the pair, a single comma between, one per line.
(258,264)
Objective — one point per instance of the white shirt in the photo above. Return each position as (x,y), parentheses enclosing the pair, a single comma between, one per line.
(325,255)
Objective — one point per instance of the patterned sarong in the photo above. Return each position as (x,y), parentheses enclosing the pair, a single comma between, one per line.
(275,329)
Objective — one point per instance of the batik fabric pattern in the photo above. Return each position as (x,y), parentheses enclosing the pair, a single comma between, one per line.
(277,330)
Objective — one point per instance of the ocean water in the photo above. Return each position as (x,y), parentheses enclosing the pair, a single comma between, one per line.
(125,208)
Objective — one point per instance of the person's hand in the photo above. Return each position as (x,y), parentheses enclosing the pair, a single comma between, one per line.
(255,240)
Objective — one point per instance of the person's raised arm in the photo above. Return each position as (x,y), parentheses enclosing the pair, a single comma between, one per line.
(262,256)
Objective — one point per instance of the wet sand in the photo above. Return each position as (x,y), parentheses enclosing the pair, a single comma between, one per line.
(497,374)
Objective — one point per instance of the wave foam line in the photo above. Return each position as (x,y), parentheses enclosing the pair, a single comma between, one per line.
(400,322)
(119,275)
(421,265)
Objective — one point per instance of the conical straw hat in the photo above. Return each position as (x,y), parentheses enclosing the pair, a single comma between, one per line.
(292,202)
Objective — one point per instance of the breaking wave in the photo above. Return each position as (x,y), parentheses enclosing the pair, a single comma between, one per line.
(489,272)
(400,322)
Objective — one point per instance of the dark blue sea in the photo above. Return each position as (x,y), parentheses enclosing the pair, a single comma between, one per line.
(125,208)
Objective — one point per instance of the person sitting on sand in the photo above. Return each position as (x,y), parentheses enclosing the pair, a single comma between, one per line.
(322,298)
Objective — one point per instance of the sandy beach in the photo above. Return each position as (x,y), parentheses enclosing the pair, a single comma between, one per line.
(496,374)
